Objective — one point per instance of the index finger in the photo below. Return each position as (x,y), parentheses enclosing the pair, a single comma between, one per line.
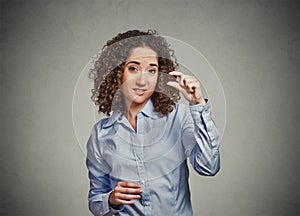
(176,73)
(129,184)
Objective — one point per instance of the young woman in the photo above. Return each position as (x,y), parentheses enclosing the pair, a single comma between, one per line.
(136,157)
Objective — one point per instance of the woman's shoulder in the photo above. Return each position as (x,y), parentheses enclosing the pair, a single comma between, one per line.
(106,122)
(98,126)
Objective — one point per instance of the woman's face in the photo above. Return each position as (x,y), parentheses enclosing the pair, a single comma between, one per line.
(140,76)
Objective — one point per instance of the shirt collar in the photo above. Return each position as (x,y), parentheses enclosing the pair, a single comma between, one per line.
(148,110)
(117,115)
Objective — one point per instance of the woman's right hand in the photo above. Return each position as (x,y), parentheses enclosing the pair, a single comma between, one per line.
(125,193)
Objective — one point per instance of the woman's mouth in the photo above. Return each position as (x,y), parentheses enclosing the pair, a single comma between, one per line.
(139,91)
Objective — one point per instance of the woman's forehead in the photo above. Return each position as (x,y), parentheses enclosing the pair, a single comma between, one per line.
(142,54)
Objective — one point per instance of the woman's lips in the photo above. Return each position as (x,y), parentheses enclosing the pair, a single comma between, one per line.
(139,91)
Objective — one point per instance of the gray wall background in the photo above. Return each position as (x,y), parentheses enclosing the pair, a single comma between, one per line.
(252,45)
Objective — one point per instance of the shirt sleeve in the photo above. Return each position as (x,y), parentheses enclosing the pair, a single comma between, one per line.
(100,188)
(201,139)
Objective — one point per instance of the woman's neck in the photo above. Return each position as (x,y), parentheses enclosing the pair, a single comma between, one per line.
(132,118)
(132,112)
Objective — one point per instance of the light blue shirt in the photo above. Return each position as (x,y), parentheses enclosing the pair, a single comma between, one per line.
(154,156)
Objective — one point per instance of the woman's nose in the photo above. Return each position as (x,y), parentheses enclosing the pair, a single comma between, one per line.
(141,78)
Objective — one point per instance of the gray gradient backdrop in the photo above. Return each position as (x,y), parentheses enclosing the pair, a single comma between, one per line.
(253,47)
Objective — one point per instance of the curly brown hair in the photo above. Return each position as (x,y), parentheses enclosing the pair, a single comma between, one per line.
(108,70)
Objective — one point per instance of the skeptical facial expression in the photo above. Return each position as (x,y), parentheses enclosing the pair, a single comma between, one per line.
(140,76)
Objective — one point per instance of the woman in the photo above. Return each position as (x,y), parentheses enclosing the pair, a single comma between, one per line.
(137,157)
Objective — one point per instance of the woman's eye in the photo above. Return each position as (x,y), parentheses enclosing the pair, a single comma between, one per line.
(132,68)
(153,71)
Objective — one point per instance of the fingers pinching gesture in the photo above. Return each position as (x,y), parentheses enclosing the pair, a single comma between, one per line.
(189,87)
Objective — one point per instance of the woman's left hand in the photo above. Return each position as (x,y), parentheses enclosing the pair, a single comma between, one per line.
(189,87)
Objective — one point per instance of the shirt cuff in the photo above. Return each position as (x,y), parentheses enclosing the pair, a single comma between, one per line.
(101,205)
(201,114)
(200,108)
(111,209)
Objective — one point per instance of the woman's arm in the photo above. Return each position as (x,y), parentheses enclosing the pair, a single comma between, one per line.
(100,187)
(200,136)
(99,192)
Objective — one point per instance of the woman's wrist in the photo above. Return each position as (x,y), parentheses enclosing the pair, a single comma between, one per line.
(198,102)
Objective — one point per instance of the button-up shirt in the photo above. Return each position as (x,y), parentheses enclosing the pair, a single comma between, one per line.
(155,156)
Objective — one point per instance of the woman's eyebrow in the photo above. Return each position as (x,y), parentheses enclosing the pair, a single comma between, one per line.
(138,63)
(153,64)
(134,62)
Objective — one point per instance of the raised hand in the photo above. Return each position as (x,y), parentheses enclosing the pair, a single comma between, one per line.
(189,87)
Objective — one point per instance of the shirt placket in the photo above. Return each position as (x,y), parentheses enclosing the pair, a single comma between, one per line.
(138,150)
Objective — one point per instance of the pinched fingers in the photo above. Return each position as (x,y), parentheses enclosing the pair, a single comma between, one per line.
(189,86)
(188,83)
(179,75)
